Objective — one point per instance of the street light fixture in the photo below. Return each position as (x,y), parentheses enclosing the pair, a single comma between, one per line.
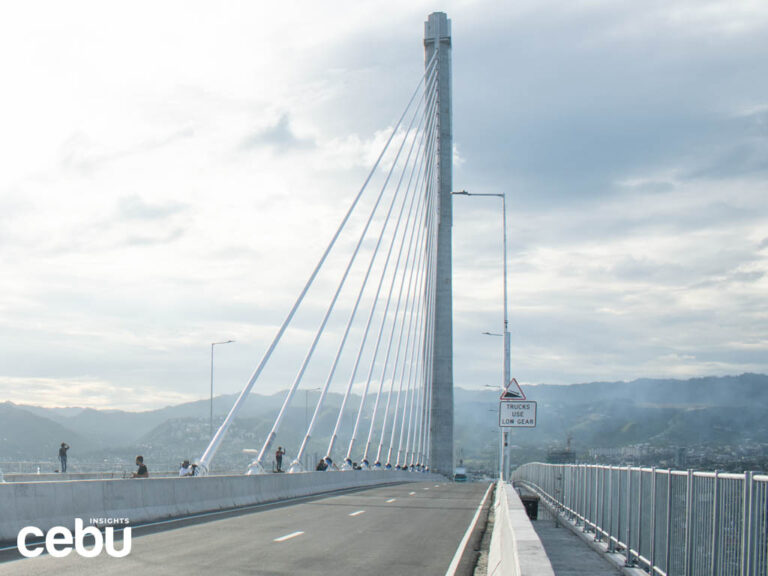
(212,345)
(506,374)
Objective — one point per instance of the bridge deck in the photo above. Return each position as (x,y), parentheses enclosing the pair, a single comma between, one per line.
(570,556)
(404,529)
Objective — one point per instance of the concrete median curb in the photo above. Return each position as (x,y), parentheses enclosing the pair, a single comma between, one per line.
(48,504)
(516,549)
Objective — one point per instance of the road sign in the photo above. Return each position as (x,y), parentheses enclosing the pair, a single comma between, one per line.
(517,414)
(512,391)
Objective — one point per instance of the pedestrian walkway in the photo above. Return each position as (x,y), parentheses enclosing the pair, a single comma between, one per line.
(569,554)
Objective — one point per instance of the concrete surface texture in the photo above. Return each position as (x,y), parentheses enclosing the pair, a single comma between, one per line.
(569,554)
(407,529)
(59,477)
(516,549)
(47,504)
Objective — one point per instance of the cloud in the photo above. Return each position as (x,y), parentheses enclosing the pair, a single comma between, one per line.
(82,154)
(86,393)
(279,136)
(142,220)
(170,236)
(134,207)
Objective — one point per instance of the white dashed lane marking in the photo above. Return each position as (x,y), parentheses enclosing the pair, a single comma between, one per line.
(411,493)
(357,513)
(391,500)
(288,536)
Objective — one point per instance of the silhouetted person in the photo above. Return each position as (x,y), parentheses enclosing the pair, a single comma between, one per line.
(279,458)
(63,456)
(142,472)
(321,466)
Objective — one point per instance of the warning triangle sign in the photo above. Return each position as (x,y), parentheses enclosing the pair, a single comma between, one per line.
(513,391)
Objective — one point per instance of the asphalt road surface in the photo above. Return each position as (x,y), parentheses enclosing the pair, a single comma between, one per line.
(394,530)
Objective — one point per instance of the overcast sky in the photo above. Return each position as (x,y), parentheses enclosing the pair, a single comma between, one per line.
(171,172)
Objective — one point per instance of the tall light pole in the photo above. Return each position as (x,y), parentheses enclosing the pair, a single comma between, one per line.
(506,375)
(501,432)
(212,345)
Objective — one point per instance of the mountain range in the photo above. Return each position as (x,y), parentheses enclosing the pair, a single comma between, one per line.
(716,412)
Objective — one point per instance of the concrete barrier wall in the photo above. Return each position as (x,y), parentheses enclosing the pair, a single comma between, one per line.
(59,477)
(515,547)
(47,504)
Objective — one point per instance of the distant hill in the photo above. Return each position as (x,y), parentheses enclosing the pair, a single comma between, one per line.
(744,390)
(716,411)
(27,436)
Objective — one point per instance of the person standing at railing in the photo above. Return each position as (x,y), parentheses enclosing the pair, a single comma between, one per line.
(279,458)
(142,471)
(63,456)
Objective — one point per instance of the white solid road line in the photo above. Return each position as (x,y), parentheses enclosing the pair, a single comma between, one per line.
(391,500)
(357,513)
(288,536)
(463,544)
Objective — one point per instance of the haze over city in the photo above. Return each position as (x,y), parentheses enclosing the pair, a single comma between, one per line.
(173,172)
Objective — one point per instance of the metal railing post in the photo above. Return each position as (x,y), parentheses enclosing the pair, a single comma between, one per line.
(640,515)
(715,523)
(600,491)
(579,495)
(611,546)
(652,553)
(619,505)
(628,557)
(572,489)
(588,499)
(688,524)
(747,522)
(598,475)
(584,496)
(668,521)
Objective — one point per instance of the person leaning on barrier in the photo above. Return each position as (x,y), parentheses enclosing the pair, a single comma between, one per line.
(186,469)
(142,471)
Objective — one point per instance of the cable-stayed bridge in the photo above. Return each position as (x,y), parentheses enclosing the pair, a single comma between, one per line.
(385,316)
(375,315)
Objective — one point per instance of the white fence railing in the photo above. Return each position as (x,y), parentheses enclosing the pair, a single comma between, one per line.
(669,522)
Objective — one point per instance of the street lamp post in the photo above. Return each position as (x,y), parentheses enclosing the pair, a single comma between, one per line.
(506,374)
(212,345)
(501,433)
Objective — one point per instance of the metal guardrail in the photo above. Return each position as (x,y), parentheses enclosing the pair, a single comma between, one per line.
(668,522)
